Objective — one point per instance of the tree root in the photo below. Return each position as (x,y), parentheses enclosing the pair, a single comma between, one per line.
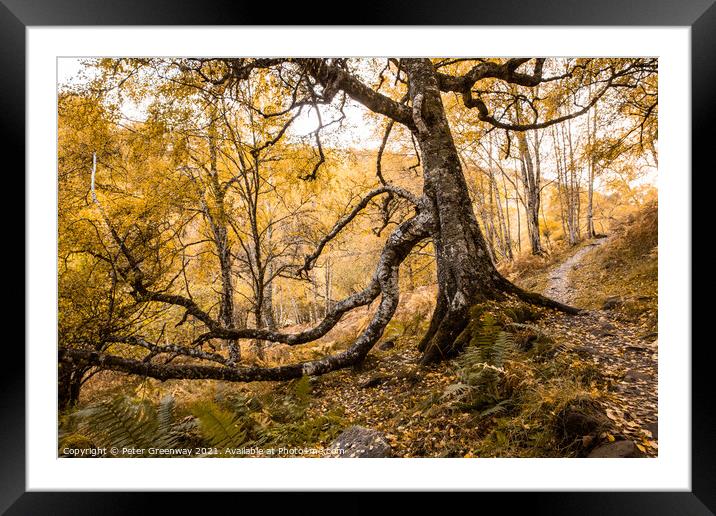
(539,300)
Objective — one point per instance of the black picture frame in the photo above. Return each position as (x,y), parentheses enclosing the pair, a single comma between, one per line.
(700,15)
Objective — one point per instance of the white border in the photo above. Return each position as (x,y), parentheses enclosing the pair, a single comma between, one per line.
(671,470)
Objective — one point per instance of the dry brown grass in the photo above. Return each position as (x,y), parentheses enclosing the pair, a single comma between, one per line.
(532,272)
(625,267)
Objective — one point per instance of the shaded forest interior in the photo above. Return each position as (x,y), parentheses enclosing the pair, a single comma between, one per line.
(398,257)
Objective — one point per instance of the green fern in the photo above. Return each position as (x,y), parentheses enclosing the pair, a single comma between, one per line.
(302,390)
(125,422)
(293,405)
(220,427)
(495,410)
(480,368)
(165,415)
(312,430)
(119,422)
(168,435)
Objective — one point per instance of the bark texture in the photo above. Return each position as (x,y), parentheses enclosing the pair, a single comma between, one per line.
(466,273)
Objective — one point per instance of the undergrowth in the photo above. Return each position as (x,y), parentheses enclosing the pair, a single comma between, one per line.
(518,383)
(215,426)
(625,268)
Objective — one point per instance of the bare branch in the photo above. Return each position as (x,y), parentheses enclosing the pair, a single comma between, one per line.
(343,222)
(168,348)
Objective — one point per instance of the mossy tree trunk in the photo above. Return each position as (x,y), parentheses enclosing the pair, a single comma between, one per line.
(466,273)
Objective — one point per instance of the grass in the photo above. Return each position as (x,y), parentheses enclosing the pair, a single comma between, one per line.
(626,267)
(532,272)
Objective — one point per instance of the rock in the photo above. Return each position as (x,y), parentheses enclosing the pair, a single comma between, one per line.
(388,344)
(360,442)
(374,381)
(612,302)
(525,339)
(633,375)
(616,450)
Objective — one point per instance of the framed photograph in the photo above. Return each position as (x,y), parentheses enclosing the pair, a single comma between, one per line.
(427,237)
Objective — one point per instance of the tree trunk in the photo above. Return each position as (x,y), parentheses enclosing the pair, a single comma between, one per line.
(592,131)
(531,181)
(573,205)
(69,384)
(267,307)
(216,216)
(328,287)
(466,274)
(519,225)
(488,229)
(506,220)
(504,235)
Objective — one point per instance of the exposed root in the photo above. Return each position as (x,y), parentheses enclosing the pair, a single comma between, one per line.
(536,299)
(446,343)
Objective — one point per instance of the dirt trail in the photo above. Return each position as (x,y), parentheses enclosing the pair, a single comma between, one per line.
(559,287)
(625,355)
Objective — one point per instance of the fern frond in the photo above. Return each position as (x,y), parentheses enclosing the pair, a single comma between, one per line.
(302,389)
(495,410)
(221,428)
(480,368)
(121,423)
(165,414)
(456,391)
(166,434)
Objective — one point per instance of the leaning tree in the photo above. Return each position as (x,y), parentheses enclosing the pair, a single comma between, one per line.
(443,213)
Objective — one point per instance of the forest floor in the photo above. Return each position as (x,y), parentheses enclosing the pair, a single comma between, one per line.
(392,395)
(624,348)
(560,368)
(614,339)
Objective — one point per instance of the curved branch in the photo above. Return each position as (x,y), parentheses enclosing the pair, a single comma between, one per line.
(483,114)
(343,222)
(389,302)
(490,70)
(506,72)
(399,244)
(333,78)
